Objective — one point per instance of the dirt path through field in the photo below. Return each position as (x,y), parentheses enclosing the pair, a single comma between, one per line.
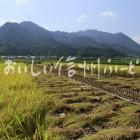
(77,111)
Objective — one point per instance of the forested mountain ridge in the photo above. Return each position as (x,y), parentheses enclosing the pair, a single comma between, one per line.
(27,38)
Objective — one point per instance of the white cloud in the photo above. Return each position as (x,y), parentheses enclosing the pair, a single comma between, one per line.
(21,2)
(136,38)
(109,14)
(82,17)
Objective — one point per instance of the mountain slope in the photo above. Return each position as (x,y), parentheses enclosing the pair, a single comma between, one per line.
(120,40)
(28,38)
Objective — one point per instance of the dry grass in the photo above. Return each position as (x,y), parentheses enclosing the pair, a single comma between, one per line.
(55,108)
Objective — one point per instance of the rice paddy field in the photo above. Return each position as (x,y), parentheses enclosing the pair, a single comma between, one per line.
(49,107)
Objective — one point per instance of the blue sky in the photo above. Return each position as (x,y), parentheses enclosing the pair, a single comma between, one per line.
(73,15)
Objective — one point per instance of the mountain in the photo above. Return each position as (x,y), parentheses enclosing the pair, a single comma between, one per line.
(27,38)
(120,40)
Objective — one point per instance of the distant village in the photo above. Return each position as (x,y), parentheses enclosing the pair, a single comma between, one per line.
(28,57)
